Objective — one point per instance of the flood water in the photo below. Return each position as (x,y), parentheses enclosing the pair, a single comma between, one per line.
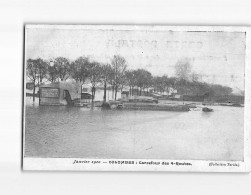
(61,131)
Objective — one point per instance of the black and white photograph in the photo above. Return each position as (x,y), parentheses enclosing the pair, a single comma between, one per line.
(138,98)
(130,97)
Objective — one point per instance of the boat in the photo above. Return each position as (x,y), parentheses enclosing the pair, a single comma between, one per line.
(154,106)
(143,99)
(206,109)
(231,104)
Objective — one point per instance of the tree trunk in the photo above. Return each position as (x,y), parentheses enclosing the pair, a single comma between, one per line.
(116,89)
(92,95)
(104,99)
(34,88)
(112,91)
(122,86)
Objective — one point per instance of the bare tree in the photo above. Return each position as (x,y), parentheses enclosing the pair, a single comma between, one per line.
(160,83)
(131,80)
(195,77)
(52,72)
(171,83)
(183,69)
(143,79)
(79,69)
(94,76)
(62,67)
(119,66)
(32,72)
(106,72)
(42,69)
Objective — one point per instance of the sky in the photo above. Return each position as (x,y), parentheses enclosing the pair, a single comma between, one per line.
(219,57)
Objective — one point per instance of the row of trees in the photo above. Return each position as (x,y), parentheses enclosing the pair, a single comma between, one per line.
(80,70)
(116,75)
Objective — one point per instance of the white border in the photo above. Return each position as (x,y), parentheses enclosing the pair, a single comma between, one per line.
(196,165)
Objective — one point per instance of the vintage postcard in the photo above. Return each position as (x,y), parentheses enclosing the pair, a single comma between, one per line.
(137,98)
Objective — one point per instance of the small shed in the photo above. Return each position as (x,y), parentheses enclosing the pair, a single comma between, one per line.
(59,93)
